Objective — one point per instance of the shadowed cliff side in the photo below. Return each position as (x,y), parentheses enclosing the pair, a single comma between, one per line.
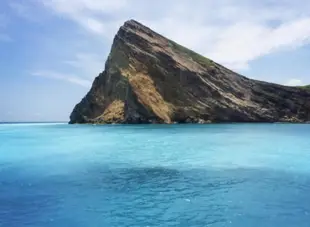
(151,79)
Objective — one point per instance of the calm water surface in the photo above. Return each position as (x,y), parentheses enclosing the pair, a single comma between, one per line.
(251,175)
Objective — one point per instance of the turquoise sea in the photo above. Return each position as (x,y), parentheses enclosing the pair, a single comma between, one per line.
(236,175)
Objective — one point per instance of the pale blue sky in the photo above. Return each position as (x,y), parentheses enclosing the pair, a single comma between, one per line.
(51,50)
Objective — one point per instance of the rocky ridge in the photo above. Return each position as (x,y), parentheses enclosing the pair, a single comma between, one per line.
(151,79)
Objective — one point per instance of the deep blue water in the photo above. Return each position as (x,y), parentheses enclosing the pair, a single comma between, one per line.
(236,175)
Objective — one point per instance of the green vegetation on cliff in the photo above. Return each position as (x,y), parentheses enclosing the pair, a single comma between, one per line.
(195,56)
(306,87)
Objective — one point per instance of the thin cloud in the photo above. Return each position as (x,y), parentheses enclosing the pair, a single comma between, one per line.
(89,63)
(233,33)
(85,12)
(65,77)
(20,9)
(28,10)
(242,43)
(294,82)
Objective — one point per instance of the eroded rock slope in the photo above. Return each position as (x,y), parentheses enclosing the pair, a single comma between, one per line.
(151,79)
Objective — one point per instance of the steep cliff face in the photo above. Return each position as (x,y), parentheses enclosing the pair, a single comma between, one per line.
(151,79)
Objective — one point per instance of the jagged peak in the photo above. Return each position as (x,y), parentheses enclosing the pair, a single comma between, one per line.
(138,28)
(135,26)
(133,22)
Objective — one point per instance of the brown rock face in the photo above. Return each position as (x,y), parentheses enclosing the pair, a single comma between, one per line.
(151,79)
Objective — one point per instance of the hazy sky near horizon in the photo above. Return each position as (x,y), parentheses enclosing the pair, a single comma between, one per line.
(51,50)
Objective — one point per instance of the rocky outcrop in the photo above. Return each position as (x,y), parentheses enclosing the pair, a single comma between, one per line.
(151,79)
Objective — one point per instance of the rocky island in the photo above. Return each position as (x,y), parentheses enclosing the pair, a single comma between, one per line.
(151,79)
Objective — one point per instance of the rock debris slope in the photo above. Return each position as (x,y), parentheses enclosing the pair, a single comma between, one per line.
(151,79)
